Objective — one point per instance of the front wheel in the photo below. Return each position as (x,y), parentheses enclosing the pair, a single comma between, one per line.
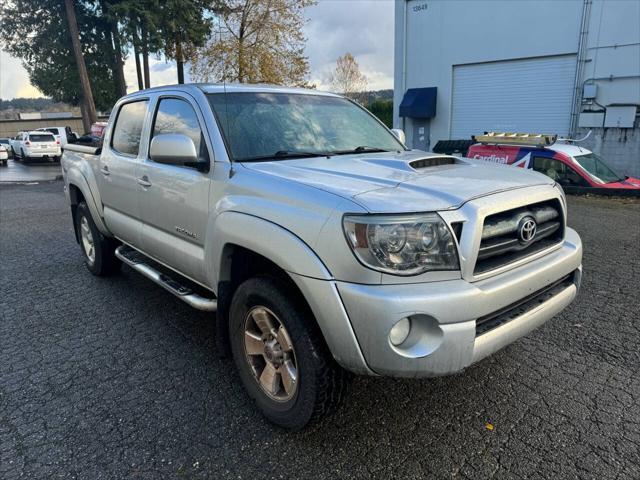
(98,250)
(280,355)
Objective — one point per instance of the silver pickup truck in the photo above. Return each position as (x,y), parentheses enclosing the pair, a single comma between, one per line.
(323,244)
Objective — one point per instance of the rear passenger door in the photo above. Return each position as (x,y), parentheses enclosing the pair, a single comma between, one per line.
(118,168)
(174,197)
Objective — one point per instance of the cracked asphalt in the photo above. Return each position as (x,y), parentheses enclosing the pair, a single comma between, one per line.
(115,378)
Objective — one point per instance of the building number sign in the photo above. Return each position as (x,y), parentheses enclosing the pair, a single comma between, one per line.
(421,7)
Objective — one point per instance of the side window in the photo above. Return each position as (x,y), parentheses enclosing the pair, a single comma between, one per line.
(558,171)
(128,127)
(177,116)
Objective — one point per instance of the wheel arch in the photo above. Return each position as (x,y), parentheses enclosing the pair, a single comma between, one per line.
(240,264)
(246,246)
(280,246)
(79,190)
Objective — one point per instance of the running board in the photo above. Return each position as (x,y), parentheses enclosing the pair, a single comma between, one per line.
(142,264)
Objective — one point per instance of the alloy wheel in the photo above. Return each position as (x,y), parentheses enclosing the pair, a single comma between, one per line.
(270,354)
(87,240)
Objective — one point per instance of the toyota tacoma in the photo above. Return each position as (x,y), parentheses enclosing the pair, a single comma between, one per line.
(324,245)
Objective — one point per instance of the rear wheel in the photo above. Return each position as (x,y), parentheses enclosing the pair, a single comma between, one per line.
(280,355)
(98,250)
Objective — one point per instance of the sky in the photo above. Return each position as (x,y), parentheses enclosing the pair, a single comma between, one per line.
(334,27)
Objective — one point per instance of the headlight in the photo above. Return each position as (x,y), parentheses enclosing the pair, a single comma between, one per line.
(402,245)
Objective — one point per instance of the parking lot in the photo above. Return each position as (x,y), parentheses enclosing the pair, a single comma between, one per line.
(16,171)
(115,378)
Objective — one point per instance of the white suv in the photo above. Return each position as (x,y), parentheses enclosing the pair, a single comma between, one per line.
(36,145)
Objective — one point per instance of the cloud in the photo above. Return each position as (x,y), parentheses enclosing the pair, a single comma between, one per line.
(362,27)
(335,27)
(14,80)
(162,72)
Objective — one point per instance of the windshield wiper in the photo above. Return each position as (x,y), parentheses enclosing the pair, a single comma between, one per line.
(284,154)
(362,149)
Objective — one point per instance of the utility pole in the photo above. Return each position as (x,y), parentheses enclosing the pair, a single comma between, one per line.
(145,57)
(89,112)
(179,58)
(136,53)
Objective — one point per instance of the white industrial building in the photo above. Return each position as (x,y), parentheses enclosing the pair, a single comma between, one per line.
(464,67)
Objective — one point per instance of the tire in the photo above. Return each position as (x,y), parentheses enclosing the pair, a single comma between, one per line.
(320,382)
(98,250)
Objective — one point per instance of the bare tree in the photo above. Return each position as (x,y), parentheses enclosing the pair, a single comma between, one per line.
(88,107)
(254,41)
(347,78)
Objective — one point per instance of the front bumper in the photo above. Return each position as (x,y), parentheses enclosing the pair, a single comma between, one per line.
(444,314)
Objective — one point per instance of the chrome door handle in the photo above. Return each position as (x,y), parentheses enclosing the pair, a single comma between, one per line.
(144,181)
(105,170)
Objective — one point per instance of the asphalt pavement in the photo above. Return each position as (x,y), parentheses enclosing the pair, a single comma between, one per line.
(17,171)
(115,378)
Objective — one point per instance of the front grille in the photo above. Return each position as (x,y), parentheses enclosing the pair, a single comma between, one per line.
(522,306)
(504,241)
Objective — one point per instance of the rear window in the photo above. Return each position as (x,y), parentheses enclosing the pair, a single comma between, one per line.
(5,141)
(41,137)
(128,127)
(52,130)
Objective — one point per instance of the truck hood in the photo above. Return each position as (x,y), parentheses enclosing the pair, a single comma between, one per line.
(401,182)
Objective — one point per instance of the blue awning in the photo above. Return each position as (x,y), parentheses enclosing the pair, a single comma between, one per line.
(419,103)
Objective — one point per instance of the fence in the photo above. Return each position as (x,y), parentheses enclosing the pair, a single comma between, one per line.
(10,128)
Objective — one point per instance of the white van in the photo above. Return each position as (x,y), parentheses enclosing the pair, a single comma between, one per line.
(63,134)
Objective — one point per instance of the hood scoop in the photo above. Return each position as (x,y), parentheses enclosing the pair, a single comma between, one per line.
(432,162)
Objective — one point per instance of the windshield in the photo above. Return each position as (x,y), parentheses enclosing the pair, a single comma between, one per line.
(264,126)
(42,137)
(597,168)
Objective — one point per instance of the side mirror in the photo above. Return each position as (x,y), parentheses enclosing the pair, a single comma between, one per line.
(176,149)
(399,134)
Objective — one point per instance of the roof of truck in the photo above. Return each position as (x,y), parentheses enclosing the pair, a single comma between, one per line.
(236,87)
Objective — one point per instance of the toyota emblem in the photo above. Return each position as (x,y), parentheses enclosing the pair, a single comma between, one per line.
(527,229)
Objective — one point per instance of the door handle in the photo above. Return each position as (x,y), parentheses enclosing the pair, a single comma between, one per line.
(144,181)
(105,170)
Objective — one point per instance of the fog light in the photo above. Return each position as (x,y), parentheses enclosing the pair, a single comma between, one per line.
(400,331)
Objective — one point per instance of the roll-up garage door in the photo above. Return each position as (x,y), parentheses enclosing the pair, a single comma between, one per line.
(530,95)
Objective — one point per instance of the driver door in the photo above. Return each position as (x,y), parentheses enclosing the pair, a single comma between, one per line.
(558,171)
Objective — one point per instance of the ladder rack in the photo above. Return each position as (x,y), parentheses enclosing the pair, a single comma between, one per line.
(510,138)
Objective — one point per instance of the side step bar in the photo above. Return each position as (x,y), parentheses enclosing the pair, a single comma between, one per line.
(143,265)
